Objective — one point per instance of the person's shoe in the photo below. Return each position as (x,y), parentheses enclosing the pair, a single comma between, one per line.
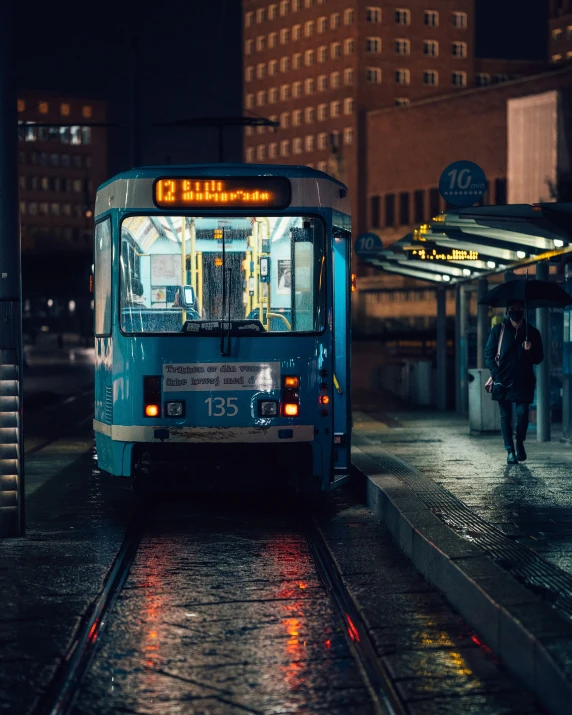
(511,457)
(520,452)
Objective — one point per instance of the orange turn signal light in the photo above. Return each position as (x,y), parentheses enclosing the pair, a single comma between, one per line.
(151,410)
(291,409)
(324,399)
(292,381)
(354,282)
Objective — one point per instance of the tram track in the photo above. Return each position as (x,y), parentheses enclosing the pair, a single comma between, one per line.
(62,694)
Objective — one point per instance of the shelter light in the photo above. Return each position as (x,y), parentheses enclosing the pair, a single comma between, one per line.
(50,302)
(446,278)
(521,254)
(558,243)
(466,272)
(491,264)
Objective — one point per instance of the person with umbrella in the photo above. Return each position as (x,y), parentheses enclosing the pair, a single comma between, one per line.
(510,362)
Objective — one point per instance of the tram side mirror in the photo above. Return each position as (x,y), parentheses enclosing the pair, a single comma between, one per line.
(188,296)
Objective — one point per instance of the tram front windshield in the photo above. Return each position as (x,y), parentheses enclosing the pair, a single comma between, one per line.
(254,275)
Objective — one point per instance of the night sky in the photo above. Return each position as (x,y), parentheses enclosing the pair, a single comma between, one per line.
(191,63)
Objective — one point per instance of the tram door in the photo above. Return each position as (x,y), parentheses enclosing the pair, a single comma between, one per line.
(212,287)
(342,347)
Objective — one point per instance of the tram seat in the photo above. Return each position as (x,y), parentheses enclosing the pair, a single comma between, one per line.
(161,320)
(276,324)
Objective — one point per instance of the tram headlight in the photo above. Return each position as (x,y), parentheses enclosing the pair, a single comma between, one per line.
(175,409)
(268,408)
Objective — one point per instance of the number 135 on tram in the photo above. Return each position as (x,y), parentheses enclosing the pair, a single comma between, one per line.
(222,323)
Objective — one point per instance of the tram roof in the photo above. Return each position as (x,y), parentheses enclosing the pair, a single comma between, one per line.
(313,189)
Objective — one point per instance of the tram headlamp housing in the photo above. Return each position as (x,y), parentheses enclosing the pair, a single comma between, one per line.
(268,408)
(175,409)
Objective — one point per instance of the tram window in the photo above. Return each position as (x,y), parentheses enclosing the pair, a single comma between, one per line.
(103,278)
(268,279)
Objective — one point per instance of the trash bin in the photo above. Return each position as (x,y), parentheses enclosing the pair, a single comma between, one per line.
(484,413)
(420,385)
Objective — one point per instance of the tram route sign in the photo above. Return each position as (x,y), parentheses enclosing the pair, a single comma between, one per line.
(463,184)
(367,245)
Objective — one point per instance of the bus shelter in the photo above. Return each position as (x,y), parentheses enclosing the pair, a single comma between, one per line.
(469,250)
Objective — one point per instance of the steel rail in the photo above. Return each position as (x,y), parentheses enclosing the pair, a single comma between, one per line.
(376,675)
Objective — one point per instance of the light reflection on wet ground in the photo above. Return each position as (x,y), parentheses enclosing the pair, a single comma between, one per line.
(224,615)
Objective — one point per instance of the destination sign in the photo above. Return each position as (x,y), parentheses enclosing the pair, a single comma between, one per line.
(272,192)
(455,254)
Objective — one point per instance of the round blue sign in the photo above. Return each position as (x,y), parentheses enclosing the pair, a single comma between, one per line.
(462,184)
(367,245)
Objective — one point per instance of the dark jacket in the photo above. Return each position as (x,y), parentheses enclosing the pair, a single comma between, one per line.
(514,375)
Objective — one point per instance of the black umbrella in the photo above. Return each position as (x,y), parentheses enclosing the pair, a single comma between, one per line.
(535,294)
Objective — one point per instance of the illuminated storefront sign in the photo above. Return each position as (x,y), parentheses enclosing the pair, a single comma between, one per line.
(272,192)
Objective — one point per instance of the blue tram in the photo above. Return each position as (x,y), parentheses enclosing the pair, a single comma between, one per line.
(222,322)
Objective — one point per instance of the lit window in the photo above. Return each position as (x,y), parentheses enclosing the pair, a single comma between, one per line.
(460,20)
(402,16)
(569,55)
(459,49)
(431,78)
(373,14)
(284,36)
(322,53)
(335,80)
(569,32)
(373,45)
(348,106)
(459,79)
(43,208)
(296,5)
(273,150)
(335,109)
(21,105)
(322,112)
(249,155)
(335,21)
(285,120)
(249,74)
(309,58)
(402,76)
(556,58)
(349,46)
(309,142)
(348,135)
(296,92)
(348,77)
(309,29)
(297,61)
(65,109)
(284,64)
(308,4)
(322,166)
(272,68)
(43,107)
(261,15)
(373,75)
(297,32)
(272,12)
(309,115)
(261,70)
(248,45)
(310,86)
(431,48)
(260,43)
(322,24)
(249,101)
(284,8)
(284,147)
(483,79)
(248,17)
(272,39)
(310,165)
(273,95)
(285,92)
(348,17)
(557,35)
(431,18)
(249,131)
(22,207)
(335,50)
(322,140)
(297,118)
(297,145)
(402,47)
(54,208)
(261,98)
(261,152)
(322,83)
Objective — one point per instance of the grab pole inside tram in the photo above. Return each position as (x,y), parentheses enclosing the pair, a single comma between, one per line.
(11,351)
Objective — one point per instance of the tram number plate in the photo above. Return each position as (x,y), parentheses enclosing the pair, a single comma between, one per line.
(222,406)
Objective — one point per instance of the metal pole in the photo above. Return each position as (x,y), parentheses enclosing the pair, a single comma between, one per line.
(135,107)
(11,353)
(482,322)
(441,349)
(461,401)
(543,370)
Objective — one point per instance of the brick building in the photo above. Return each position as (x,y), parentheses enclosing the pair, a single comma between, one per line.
(317,67)
(560,23)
